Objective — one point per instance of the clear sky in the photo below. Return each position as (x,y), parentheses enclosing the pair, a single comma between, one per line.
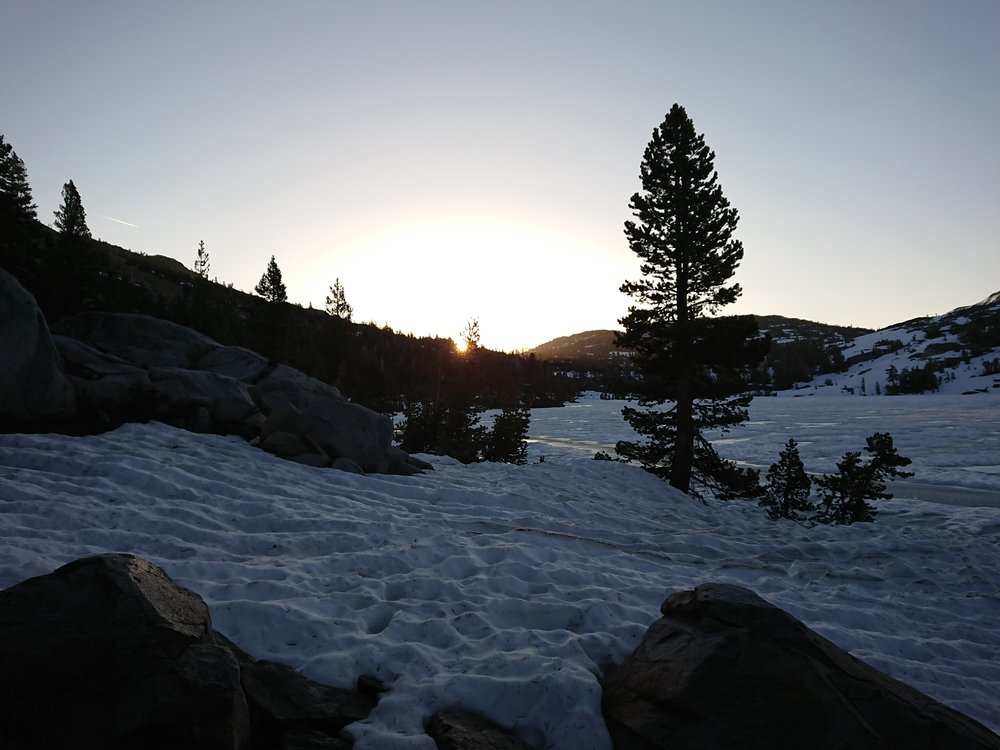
(450,160)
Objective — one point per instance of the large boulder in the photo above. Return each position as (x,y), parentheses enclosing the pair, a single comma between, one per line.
(179,392)
(454,729)
(109,652)
(33,387)
(139,339)
(134,367)
(725,669)
(105,383)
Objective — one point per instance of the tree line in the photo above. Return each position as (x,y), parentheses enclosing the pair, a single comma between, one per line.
(68,271)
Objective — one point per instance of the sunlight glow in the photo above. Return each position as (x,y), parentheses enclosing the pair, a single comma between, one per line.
(430,277)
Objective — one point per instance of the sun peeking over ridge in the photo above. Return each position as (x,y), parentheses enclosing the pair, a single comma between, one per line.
(516,278)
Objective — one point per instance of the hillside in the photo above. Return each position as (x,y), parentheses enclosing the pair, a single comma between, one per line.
(954,353)
(373,365)
(957,352)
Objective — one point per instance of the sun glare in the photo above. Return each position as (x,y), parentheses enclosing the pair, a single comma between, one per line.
(430,276)
(461,345)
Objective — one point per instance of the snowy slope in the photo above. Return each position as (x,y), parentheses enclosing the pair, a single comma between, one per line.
(508,590)
(962,366)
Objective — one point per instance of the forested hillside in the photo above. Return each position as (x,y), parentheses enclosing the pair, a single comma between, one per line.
(373,365)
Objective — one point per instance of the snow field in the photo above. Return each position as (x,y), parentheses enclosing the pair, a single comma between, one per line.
(505,590)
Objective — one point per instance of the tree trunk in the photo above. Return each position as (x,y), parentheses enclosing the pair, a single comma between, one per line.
(683,459)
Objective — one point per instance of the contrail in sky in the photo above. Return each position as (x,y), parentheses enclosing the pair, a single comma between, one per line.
(126,223)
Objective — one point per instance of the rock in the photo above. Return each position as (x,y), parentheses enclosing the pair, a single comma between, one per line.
(283,444)
(233,361)
(33,387)
(281,384)
(285,417)
(346,430)
(181,392)
(139,339)
(348,464)
(109,652)
(280,697)
(105,382)
(462,730)
(401,462)
(725,669)
(317,460)
(195,383)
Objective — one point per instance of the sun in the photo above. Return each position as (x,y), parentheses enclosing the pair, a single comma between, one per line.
(461,345)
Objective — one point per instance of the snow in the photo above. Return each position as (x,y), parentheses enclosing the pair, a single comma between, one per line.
(510,590)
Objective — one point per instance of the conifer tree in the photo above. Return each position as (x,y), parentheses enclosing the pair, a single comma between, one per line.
(683,234)
(845,495)
(71,218)
(201,263)
(507,442)
(788,486)
(15,192)
(336,302)
(270,286)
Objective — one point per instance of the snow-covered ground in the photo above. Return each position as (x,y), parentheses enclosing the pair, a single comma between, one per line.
(509,590)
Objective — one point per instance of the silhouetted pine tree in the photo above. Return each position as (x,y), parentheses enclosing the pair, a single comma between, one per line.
(201,263)
(15,192)
(71,218)
(336,302)
(683,235)
(788,486)
(270,286)
(845,495)
(507,442)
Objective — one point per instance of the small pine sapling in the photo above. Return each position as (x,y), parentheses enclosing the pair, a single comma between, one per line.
(788,487)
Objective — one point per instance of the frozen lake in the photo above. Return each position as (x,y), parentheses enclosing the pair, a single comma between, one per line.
(954,441)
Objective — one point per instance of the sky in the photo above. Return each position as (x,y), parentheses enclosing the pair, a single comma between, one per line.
(456,160)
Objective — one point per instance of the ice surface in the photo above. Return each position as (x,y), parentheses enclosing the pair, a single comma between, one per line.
(507,590)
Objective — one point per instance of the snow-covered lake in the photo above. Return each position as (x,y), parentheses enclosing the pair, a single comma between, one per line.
(510,589)
(954,441)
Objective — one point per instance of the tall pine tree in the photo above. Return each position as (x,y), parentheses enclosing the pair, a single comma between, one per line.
(270,286)
(71,218)
(695,363)
(15,192)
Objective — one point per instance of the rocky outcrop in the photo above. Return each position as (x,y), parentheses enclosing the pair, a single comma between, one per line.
(109,652)
(463,730)
(103,369)
(725,669)
(197,384)
(33,388)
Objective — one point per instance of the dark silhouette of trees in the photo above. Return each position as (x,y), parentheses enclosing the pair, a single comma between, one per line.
(788,486)
(911,380)
(699,364)
(507,442)
(270,286)
(844,496)
(71,218)
(16,203)
(336,302)
(17,210)
(201,262)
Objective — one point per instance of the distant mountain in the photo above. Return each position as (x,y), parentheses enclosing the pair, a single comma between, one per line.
(957,352)
(598,345)
(954,353)
(579,347)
